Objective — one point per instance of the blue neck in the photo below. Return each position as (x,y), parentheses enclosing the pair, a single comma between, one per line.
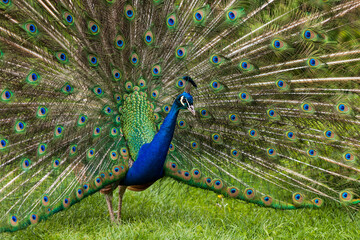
(148,166)
(166,132)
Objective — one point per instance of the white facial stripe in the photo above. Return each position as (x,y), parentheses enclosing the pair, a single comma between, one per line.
(181,100)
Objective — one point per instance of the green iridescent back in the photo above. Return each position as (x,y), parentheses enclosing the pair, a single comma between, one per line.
(138,122)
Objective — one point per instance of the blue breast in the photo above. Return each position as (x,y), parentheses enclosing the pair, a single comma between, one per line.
(148,166)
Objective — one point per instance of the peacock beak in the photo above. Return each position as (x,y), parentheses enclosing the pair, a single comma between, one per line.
(191,109)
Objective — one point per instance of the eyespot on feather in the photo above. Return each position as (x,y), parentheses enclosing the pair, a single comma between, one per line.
(194,145)
(216,86)
(98,91)
(282,84)
(171,147)
(297,198)
(56,163)
(349,156)
(272,114)
(186,175)
(62,57)
(58,132)
(98,182)
(312,152)
(233,192)
(155,94)
(196,174)
(90,153)
(113,155)
(233,15)
(156,71)
(31,28)
(182,124)
(96,131)
(166,108)
(171,21)
(67,89)
(317,202)
(34,218)
(307,107)
(234,153)
(33,78)
(244,96)
(330,134)
(42,149)
(204,113)
(216,60)
(73,150)
(93,60)
(120,42)
(25,164)
(13,220)
(199,16)
(218,184)
(253,133)
(290,135)
(142,83)
(114,132)
(172,166)
(246,66)
(149,37)
(249,193)
(278,45)
(180,52)
(346,196)
(343,108)
(82,120)
(267,200)
(309,34)
(45,200)
(68,18)
(6,95)
(94,28)
(5,4)
(314,63)
(117,171)
(129,12)
(20,127)
(66,202)
(79,193)
(42,112)
(208,181)
(134,59)
(216,137)
(271,152)
(3,143)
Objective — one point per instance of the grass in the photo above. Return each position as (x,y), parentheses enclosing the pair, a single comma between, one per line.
(170,210)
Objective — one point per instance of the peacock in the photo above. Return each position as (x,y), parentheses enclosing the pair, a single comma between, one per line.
(256,100)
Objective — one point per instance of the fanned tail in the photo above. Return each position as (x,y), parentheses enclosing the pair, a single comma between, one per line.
(60,136)
(277,105)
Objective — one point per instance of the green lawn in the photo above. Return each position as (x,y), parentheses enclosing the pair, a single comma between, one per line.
(170,210)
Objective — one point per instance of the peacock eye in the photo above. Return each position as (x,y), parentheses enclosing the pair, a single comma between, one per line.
(183,100)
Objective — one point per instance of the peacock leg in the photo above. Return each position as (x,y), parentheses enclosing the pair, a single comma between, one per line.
(108,192)
(109,198)
(122,190)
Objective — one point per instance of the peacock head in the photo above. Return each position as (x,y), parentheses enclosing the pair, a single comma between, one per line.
(185,100)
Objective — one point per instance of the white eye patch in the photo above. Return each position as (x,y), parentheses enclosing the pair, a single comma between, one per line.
(182,100)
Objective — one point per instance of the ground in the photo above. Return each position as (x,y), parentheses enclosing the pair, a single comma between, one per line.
(171,210)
